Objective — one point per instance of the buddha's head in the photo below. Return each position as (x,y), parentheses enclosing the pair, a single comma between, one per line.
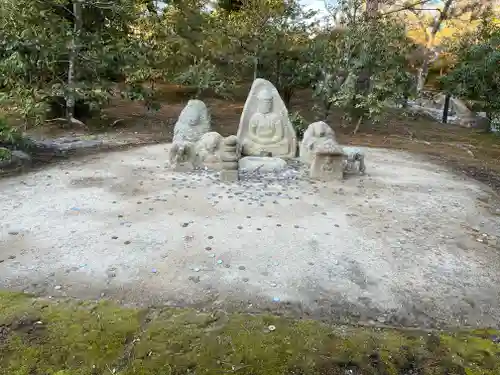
(193,119)
(320,129)
(194,113)
(265,99)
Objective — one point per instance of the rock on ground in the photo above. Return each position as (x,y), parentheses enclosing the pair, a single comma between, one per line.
(409,243)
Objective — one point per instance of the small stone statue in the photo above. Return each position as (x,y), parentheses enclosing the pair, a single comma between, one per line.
(208,149)
(193,122)
(230,157)
(314,136)
(355,160)
(328,162)
(182,153)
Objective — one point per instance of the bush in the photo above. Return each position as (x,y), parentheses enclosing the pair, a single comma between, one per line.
(475,74)
(11,138)
(299,123)
(5,154)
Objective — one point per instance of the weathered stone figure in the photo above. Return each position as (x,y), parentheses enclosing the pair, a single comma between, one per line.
(355,160)
(264,124)
(230,156)
(193,122)
(208,148)
(314,137)
(182,153)
(328,162)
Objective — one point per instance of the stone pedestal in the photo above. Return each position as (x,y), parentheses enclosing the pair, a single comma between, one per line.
(253,164)
(328,166)
(183,167)
(228,175)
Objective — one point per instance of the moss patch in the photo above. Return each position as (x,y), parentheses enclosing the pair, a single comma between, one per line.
(43,338)
(68,337)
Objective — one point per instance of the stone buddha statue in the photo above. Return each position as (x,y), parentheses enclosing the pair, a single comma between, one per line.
(265,126)
(193,122)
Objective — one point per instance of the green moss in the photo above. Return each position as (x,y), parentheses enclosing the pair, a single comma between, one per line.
(50,337)
(101,338)
(12,304)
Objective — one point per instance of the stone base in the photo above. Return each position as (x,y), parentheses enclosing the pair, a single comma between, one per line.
(229,176)
(183,167)
(211,166)
(250,164)
(328,167)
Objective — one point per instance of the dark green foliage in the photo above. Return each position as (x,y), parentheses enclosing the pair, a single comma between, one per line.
(364,64)
(230,5)
(476,74)
(35,54)
(57,108)
(11,138)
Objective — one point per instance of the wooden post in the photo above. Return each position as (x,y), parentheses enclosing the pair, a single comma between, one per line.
(446,108)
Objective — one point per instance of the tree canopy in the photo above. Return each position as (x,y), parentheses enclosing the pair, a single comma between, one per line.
(361,55)
(476,72)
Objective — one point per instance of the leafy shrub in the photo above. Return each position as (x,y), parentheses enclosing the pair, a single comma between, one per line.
(299,123)
(475,75)
(5,154)
(12,138)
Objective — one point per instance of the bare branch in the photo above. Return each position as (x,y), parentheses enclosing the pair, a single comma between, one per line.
(406,7)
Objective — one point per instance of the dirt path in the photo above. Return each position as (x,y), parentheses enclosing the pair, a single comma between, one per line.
(409,243)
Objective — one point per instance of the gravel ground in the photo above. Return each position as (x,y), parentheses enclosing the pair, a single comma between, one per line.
(408,243)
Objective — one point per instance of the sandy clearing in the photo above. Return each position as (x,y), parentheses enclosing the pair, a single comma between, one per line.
(397,245)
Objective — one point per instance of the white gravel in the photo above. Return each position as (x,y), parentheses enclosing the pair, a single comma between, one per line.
(398,245)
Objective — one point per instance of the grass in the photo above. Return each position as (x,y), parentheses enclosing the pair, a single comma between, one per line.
(68,337)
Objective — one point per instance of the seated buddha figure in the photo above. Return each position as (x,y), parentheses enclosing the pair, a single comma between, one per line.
(267,130)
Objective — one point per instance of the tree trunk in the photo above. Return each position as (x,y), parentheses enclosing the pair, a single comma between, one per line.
(372,8)
(358,124)
(424,70)
(255,67)
(326,110)
(73,55)
(287,93)
(422,75)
